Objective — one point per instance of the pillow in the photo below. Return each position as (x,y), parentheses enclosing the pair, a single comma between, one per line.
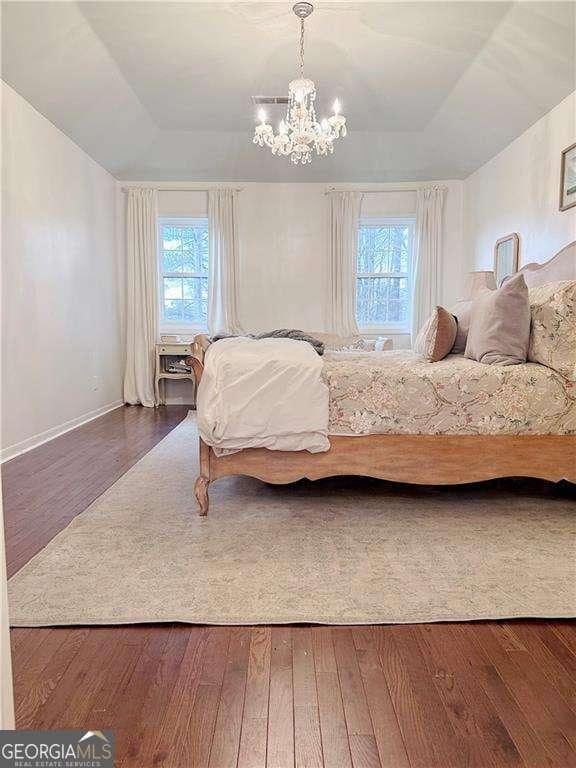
(383,343)
(500,324)
(461,311)
(437,335)
(352,344)
(335,343)
(553,331)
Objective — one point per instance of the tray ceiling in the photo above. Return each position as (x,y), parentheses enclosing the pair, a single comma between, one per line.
(162,90)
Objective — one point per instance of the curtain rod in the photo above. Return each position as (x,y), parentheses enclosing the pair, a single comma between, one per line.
(182,189)
(369,191)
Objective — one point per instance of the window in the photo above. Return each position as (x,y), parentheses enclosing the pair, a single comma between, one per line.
(383,287)
(183,248)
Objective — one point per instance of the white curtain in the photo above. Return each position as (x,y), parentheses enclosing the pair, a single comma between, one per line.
(427,263)
(344,222)
(141,296)
(223,266)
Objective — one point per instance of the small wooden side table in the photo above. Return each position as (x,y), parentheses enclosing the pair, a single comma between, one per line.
(170,350)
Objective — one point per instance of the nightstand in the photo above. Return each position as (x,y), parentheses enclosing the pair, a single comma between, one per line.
(164,354)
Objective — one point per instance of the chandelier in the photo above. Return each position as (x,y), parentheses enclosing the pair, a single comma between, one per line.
(300,134)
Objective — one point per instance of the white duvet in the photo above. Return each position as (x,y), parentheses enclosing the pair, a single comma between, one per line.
(263,393)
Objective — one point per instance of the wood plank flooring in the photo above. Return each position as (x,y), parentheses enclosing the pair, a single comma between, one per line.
(469,695)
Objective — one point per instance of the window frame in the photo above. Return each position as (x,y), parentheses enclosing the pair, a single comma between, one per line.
(175,326)
(380,221)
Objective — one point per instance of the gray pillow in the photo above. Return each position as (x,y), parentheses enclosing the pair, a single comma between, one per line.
(500,324)
(461,311)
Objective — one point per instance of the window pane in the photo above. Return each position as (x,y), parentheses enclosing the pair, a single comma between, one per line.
(397,311)
(382,300)
(383,248)
(172,288)
(196,300)
(192,287)
(372,300)
(171,261)
(204,250)
(373,253)
(173,309)
(171,238)
(195,249)
(394,311)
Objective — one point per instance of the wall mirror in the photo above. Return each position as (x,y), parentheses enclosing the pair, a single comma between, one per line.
(568,178)
(506,252)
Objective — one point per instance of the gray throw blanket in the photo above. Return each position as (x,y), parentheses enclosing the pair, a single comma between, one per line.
(278,333)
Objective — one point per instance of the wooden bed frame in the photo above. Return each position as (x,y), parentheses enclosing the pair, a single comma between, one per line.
(421,459)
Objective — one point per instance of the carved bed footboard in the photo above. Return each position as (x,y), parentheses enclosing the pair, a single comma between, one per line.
(419,459)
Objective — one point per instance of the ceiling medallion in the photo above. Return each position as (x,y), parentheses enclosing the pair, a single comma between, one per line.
(300,134)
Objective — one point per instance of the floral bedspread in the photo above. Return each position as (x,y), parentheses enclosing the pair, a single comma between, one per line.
(401,393)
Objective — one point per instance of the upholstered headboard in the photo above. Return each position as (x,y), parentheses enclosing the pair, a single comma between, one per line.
(562,266)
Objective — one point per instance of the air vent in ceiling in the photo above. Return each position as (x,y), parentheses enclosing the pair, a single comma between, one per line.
(269,99)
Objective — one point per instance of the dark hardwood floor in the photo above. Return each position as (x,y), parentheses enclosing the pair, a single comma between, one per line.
(470,695)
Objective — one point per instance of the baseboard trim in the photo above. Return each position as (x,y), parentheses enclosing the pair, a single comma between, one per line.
(11,451)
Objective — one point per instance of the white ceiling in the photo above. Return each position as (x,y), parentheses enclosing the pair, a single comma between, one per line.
(161,90)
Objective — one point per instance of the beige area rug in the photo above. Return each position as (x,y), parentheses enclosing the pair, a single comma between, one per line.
(343,551)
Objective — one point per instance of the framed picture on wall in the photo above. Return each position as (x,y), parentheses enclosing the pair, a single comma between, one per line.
(506,253)
(568,178)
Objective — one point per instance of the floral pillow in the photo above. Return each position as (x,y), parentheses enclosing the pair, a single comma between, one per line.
(553,327)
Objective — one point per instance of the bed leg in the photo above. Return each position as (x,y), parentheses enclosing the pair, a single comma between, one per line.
(203,480)
(201,493)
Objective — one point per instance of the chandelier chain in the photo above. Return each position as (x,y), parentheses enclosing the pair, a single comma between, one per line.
(301,47)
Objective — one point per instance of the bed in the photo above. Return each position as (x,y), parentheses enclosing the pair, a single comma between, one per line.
(461,423)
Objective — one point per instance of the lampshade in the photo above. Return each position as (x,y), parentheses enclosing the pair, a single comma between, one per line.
(475,281)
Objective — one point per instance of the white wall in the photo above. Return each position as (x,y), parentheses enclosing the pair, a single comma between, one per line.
(283,244)
(518,191)
(61,340)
